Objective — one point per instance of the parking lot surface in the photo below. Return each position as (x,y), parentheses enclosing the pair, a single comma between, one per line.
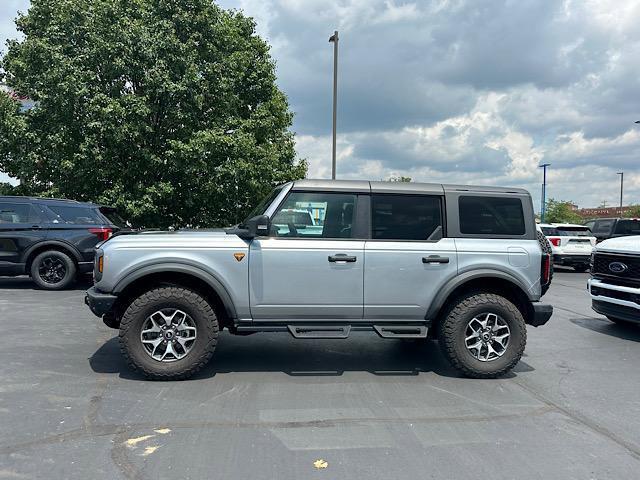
(269,406)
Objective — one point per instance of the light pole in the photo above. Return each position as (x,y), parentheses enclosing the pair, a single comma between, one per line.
(544,190)
(621,184)
(334,39)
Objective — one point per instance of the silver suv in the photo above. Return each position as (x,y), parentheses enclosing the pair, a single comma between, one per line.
(405,260)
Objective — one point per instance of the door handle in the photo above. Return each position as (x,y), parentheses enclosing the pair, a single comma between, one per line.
(435,259)
(341,257)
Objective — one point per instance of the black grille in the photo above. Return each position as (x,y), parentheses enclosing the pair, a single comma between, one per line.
(602,261)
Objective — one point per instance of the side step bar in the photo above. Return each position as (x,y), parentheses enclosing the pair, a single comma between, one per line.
(319,331)
(401,331)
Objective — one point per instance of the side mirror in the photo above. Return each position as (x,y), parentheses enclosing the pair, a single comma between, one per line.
(258,226)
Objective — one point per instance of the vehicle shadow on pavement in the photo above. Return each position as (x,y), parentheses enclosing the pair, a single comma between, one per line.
(602,325)
(25,283)
(280,353)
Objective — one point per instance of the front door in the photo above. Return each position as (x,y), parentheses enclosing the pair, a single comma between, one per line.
(310,267)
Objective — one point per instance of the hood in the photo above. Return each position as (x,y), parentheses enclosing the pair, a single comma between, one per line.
(175,239)
(620,245)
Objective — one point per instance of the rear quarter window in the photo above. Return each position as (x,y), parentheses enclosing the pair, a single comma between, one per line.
(484,215)
(80,215)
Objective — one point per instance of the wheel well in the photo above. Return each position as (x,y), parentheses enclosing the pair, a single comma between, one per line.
(176,279)
(47,248)
(499,286)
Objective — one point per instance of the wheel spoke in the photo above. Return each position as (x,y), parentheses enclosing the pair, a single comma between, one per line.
(168,334)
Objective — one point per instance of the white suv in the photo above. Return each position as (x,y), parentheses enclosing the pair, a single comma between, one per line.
(571,244)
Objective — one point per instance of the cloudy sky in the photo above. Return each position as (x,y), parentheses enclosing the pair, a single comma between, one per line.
(461,91)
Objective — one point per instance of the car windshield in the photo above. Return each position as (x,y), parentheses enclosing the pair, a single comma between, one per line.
(262,206)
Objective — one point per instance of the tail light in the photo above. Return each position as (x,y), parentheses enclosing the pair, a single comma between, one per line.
(103,233)
(546,268)
(555,241)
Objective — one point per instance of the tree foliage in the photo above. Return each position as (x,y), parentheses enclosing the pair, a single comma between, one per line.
(166,109)
(401,179)
(559,211)
(633,211)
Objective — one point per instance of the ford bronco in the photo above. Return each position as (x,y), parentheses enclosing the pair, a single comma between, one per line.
(455,263)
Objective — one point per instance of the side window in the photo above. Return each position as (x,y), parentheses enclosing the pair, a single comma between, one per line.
(75,215)
(406,217)
(491,215)
(17,213)
(314,215)
(603,226)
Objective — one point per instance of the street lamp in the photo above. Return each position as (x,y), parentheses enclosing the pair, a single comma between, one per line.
(334,39)
(621,184)
(544,190)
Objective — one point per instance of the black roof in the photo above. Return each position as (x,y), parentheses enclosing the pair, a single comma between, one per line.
(49,201)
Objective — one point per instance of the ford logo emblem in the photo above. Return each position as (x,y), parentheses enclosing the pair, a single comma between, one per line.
(617,267)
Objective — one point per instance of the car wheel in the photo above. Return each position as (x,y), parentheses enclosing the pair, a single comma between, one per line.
(581,268)
(53,270)
(168,333)
(483,335)
(621,321)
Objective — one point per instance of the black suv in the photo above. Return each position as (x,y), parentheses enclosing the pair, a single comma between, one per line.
(604,228)
(51,240)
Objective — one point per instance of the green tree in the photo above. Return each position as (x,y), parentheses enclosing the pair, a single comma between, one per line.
(559,211)
(166,109)
(633,212)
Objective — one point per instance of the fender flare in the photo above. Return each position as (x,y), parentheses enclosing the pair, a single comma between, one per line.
(466,277)
(52,243)
(176,267)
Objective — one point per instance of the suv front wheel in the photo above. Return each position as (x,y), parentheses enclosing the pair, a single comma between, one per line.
(483,335)
(168,333)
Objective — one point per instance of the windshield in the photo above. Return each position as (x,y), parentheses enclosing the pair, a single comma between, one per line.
(262,206)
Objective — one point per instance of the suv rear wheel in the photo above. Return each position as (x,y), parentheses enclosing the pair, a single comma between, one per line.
(168,333)
(53,270)
(483,335)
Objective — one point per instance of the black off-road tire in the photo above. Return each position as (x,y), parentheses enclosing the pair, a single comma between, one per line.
(61,260)
(452,335)
(186,300)
(546,248)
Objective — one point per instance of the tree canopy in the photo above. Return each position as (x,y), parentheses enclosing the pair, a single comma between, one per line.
(168,110)
(558,211)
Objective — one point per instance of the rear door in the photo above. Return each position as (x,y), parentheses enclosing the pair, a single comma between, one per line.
(20,228)
(407,259)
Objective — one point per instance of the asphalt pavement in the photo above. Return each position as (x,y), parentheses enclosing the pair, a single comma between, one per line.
(271,407)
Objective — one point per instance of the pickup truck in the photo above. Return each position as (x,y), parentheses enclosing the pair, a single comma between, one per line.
(455,263)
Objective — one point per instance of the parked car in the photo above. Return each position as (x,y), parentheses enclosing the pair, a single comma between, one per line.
(604,228)
(51,240)
(405,260)
(615,279)
(298,220)
(571,244)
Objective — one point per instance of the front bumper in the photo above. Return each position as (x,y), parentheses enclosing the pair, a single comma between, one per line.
(568,259)
(541,314)
(99,302)
(616,301)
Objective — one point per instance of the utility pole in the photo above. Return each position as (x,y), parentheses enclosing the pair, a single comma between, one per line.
(544,190)
(621,185)
(334,39)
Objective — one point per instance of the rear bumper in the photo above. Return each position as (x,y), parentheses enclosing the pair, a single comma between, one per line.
(99,303)
(541,314)
(568,259)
